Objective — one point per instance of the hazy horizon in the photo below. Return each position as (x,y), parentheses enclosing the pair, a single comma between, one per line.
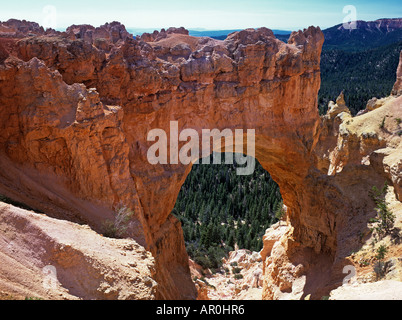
(209,15)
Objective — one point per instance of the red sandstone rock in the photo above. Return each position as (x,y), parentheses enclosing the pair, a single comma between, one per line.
(98,155)
(17,28)
(3,53)
(76,152)
(110,32)
(250,70)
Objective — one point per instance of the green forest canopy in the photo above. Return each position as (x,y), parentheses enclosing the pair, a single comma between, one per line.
(219,209)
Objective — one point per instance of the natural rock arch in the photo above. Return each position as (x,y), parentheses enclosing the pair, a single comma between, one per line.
(249,81)
(76,153)
(270,88)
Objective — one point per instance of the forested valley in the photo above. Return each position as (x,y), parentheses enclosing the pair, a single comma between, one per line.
(219,209)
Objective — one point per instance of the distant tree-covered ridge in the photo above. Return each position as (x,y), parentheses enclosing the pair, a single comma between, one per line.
(360,75)
(362,62)
(365,36)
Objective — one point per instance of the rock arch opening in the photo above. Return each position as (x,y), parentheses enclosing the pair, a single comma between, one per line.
(214,194)
(224,217)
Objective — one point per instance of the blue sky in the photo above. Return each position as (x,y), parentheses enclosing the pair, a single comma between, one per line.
(208,14)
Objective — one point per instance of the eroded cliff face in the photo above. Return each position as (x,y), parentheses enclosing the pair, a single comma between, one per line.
(77,108)
(353,154)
